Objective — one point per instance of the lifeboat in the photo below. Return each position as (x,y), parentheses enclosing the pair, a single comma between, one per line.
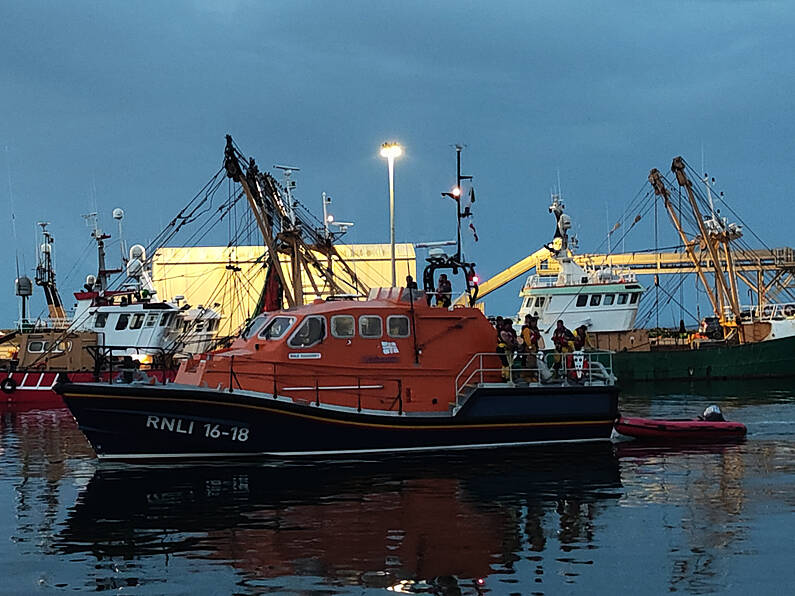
(649,429)
(389,373)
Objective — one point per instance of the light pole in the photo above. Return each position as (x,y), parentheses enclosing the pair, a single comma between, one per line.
(391,151)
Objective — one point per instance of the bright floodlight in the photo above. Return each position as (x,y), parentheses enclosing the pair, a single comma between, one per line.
(456,192)
(391,150)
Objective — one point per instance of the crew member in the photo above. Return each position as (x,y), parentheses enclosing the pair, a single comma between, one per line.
(444,291)
(581,339)
(563,339)
(506,348)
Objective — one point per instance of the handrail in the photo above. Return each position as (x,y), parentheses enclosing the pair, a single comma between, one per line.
(596,370)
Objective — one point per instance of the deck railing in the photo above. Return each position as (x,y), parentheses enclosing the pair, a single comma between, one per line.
(580,368)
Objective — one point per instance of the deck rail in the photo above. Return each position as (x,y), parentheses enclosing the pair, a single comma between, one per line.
(546,367)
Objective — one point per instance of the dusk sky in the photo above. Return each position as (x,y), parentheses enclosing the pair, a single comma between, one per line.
(125,104)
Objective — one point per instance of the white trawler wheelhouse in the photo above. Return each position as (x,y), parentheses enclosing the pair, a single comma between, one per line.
(603,299)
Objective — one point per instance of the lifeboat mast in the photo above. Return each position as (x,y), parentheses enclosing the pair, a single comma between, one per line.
(455,262)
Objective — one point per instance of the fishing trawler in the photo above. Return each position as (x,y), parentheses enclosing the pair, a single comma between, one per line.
(604,299)
(602,293)
(339,376)
(127,331)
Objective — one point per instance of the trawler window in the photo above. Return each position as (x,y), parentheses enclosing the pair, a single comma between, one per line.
(137,321)
(164,319)
(36,346)
(311,331)
(622,298)
(609,298)
(370,326)
(528,302)
(582,299)
(397,326)
(122,322)
(596,299)
(101,319)
(539,301)
(634,298)
(277,327)
(343,326)
(150,320)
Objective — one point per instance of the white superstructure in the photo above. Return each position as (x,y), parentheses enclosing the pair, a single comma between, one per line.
(603,299)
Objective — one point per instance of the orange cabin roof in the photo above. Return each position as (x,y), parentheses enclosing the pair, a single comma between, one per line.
(418,352)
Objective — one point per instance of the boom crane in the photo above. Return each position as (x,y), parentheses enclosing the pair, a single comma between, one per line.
(285,231)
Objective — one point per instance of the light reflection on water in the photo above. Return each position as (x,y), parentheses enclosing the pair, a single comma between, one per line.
(568,519)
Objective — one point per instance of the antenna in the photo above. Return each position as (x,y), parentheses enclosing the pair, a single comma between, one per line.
(118,215)
(289,185)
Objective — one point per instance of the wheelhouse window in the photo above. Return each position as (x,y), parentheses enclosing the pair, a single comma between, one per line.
(370,326)
(137,321)
(397,326)
(622,298)
(540,301)
(36,346)
(276,327)
(582,299)
(596,299)
(165,319)
(151,319)
(99,322)
(528,302)
(609,299)
(121,324)
(343,326)
(311,331)
(634,298)
(253,326)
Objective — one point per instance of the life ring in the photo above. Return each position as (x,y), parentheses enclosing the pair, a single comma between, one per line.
(8,385)
(789,310)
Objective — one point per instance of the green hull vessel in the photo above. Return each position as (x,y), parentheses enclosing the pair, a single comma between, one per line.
(766,359)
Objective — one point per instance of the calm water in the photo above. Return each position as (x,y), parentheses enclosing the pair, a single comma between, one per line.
(712,519)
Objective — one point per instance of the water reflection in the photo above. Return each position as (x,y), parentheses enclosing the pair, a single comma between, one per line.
(546,520)
(436,523)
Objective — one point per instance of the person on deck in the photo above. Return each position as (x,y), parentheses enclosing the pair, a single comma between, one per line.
(506,348)
(444,291)
(563,339)
(531,337)
(581,339)
(410,283)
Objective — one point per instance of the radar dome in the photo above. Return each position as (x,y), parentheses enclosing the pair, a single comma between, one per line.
(24,286)
(134,268)
(91,280)
(118,213)
(137,251)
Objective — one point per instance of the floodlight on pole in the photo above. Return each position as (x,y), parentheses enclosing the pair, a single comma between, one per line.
(391,151)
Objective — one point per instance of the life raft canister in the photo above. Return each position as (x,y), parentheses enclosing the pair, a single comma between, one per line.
(577,366)
(8,385)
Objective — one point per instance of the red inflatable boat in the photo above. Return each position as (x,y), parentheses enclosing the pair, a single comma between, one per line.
(649,429)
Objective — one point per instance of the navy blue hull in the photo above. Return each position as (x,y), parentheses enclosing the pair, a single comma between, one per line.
(128,421)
